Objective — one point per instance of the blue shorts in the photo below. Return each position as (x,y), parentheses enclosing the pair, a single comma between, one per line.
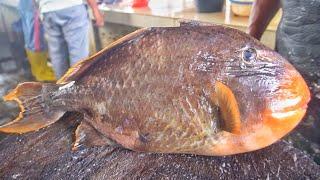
(31,26)
(68,36)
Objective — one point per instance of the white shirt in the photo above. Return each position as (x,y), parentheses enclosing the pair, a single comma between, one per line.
(54,5)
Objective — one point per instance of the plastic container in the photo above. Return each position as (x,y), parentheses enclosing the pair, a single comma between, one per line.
(241,7)
(159,6)
(209,5)
(139,3)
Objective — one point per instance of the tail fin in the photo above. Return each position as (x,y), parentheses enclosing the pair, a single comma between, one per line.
(34,113)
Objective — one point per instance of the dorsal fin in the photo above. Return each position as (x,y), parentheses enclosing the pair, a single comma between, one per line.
(229,109)
(193,23)
(81,66)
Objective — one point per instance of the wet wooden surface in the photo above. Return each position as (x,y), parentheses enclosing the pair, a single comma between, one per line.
(47,154)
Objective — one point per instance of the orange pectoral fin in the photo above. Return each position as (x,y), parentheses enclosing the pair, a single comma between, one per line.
(229,109)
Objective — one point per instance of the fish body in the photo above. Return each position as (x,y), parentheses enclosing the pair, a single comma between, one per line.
(208,90)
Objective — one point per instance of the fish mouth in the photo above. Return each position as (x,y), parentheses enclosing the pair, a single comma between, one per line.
(283,112)
(289,106)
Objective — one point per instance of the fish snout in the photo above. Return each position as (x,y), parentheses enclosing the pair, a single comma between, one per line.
(289,104)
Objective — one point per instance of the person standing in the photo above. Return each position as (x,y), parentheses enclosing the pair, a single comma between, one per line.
(298,40)
(35,45)
(66,24)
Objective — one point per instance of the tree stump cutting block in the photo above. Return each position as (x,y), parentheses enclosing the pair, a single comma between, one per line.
(47,154)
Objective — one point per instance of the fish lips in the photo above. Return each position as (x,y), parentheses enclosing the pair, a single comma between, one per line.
(289,105)
(283,112)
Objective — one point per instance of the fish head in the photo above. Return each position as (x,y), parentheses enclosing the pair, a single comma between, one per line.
(271,98)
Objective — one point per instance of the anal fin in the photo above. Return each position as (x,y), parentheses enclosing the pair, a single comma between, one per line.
(87,136)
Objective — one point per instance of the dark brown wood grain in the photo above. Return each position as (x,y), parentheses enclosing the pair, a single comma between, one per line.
(47,154)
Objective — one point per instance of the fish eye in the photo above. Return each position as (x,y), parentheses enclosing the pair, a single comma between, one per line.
(249,55)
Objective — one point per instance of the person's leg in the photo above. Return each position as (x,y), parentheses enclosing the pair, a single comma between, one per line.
(76,33)
(39,67)
(34,41)
(58,50)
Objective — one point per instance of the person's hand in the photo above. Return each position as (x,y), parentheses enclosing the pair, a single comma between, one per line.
(254,31)
(98,16)
(99,20)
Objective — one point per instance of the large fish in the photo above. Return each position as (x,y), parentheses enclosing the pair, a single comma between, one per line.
(208,90)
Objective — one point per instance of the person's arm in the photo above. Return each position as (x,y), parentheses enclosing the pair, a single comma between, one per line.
(96,13)
(262,13)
